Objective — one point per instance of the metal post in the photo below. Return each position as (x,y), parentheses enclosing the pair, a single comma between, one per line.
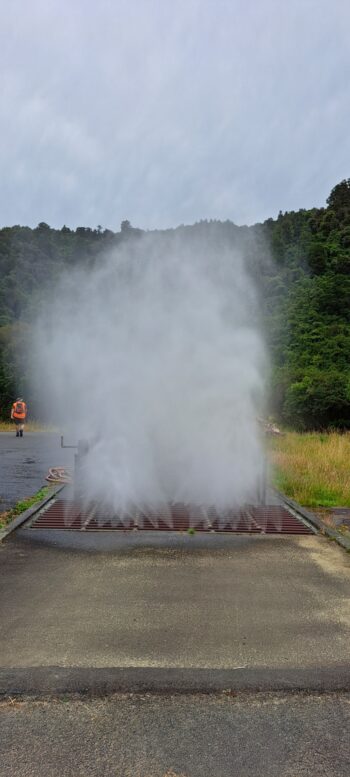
(79,460)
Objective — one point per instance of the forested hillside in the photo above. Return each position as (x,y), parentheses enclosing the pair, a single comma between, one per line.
(307,306)
(301,261)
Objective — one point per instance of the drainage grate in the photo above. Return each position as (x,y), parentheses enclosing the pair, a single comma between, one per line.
(273,519)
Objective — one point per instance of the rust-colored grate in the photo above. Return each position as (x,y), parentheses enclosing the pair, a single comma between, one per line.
(273,519)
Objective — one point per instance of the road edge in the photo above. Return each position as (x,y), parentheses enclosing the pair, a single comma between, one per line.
(22,517)
(40,682)
(316,522)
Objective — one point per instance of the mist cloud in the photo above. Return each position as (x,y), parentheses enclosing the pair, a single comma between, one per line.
(156,357)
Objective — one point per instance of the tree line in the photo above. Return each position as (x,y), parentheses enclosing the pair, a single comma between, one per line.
(300,261)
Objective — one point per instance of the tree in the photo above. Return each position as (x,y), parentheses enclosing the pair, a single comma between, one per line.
(339,197)
(317,257)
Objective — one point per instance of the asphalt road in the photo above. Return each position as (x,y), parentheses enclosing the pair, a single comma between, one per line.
(24,463)
(264,735)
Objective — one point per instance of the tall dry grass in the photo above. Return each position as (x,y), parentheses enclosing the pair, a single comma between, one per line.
(312,468)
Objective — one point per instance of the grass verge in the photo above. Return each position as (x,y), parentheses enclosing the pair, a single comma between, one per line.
(33,426)
(20,507)
(312,468)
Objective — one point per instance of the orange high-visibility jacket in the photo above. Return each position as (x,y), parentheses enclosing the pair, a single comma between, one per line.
(19,410)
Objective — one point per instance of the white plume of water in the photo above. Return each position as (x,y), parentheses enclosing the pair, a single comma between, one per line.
(156,357)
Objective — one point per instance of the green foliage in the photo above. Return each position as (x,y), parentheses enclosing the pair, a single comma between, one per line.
(308,324)
(339,198)
(20,507)
(305,293)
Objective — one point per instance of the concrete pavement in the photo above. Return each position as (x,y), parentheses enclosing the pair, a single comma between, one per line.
(265,612)
(265,735)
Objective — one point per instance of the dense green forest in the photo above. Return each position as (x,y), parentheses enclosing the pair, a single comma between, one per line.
(301,261)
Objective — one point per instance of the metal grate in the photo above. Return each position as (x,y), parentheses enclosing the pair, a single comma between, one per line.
(273,519)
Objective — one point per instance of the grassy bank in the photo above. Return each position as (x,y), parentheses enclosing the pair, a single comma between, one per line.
(20,507)
(313,469)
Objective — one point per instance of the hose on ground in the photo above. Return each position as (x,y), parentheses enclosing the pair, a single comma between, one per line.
(59,475)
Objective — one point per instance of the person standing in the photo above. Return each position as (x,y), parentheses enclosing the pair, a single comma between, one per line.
(19,415)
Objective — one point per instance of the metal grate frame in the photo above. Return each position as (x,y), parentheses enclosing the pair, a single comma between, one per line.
(73,516)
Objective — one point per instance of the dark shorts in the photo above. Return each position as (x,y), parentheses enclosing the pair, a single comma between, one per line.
(19,421)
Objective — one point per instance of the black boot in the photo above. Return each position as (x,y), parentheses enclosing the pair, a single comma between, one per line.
(17,434)
(21,433)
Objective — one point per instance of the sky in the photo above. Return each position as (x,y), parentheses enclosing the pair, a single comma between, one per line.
(166,112)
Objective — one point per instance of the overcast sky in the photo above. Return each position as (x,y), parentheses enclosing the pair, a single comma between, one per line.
(169,111)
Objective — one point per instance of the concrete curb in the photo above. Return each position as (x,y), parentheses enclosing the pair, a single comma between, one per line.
(110,541)
(22,517)
(316,522)
(101,681)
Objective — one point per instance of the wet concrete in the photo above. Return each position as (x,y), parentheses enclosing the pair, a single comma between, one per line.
(24,463)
